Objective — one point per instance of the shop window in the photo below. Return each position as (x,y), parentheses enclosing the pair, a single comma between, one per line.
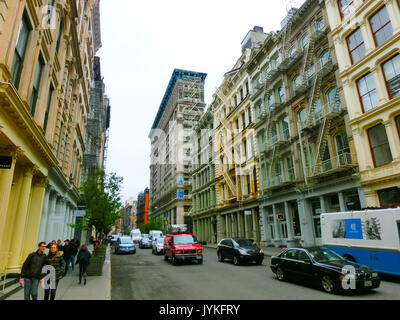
(379,144)
(391,69)
(381,26)
(356,46)
(367,91)
(389,198)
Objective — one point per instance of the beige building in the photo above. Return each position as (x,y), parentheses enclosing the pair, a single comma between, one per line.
(366,37)
(46,59)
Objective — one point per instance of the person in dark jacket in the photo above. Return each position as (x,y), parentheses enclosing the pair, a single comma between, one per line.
(76,241)
(55,259)
(83,260)
(68,250)
(31,272)
(74,251)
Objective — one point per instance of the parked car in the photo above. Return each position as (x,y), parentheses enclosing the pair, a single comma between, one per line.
(323,267)
(158,246)
(114,239)
(145,242)
(239,250)
(125,245)
(182,247)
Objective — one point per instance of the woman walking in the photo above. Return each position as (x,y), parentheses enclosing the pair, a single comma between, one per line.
(83,259)
(55,259)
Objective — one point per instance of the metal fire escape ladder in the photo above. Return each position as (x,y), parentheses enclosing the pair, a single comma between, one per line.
(225,123)
(311,102)
(307,59)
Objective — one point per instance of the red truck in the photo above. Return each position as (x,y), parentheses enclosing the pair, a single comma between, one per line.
(180,247)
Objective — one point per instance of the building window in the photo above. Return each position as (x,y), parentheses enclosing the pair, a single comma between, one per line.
(379,145)
(325,58)
(290,168)
(381,26)
(296,82)
(244,120)
(46,116)
(285,128)
(36,85)
(305,41)
(60,33)
(247,88)
(345,6)
(310,71)
(271,100)
(356,46)
(292,52)
(274,134)
(255,179)
(391,69)
(367,91)
(332,97)
(281,92)
(317,110)
(302,118)
(249,111)
(320,24)
(389,198)
(20,50)
(398,124)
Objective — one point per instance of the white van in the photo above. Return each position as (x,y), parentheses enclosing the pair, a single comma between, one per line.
(154,234)
(136,235)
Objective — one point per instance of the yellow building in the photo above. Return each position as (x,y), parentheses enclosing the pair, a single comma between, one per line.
(45,77)
(366,36)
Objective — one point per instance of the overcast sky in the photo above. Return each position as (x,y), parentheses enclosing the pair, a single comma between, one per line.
(143,41)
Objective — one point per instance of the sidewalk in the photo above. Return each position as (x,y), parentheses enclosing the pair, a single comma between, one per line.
(268,251)
(96,288)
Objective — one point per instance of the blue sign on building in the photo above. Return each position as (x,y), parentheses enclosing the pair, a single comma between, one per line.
(354,229)
(180,194)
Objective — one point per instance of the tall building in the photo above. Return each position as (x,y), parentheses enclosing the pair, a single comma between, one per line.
(236,161)
(366,37)
(307,159)
(204,197)
(142,208)
(45,75)
(171,148)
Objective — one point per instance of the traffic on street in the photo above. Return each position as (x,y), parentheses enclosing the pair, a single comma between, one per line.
(145,276)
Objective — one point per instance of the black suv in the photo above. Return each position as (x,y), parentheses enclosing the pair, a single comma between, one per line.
(239,250)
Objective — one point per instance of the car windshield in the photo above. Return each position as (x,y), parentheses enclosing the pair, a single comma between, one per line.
(160,240)
(324,255)
(136,234)
(185,239)
(126,240)
(245,243)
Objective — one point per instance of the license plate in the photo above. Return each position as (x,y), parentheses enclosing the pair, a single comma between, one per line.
(368,283)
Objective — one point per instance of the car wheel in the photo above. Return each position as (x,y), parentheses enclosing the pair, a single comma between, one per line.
(280,274)
(235,260)
(327,284)
(220,257)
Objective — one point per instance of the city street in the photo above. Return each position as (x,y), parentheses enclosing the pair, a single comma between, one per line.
(144,276)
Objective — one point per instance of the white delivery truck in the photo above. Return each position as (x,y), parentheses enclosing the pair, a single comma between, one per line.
(154,234)
(136,235)
(369,237)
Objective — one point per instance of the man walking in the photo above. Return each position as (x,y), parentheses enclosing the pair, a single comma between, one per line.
(68,251)
(31,272)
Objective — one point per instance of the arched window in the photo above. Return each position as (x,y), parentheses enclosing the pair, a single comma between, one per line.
(333,100)
(302,118)
(325,58)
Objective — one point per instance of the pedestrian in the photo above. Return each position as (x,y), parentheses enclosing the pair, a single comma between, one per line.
(76,241)
(83,260)
(68,250)
(55,259)
(31,272)
(59,244)
(74,251)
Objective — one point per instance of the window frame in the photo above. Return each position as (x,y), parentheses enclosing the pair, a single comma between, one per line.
(358,46)
(372,150)
(382,27)
(359,93)
(384,76)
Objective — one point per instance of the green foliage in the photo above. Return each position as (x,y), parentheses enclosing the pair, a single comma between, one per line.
(101,196)
(154,224)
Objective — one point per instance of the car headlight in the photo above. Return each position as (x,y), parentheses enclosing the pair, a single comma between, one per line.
(241,251)
(261,251)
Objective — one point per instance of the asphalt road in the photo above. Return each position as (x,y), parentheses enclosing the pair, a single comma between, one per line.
(144,276)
